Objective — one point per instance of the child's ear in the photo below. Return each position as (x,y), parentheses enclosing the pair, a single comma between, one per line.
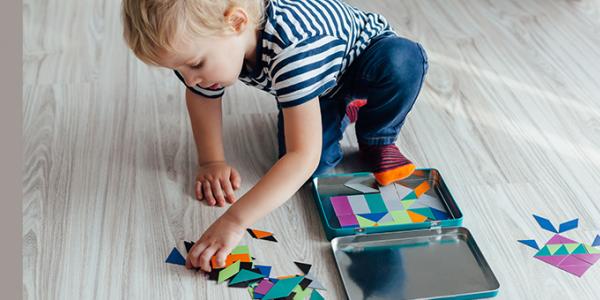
(237,19)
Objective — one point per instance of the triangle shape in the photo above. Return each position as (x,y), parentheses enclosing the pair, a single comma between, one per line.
(531,243)
(439,215)
(401,217)
(188,246)
(553,260)
(591,250)
(245,275)
(269,238)
(543,252)
(387,219)
(579,250)
(265,270)
(571,260)
(424,212)
(362,222)
(408,203)
(411,196)
(416,218)
(422,188)
(559,239)
(571,247)
(429,201)
(561,251)
(553,247)
(175,258)
(596,241)
(589,258)
(305,268)
(261,234)
(375,217)
(575,270)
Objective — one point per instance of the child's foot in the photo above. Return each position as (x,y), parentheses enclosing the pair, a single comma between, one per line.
(352,109)
(387,163)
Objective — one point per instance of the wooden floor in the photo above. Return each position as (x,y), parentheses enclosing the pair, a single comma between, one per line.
(509,113)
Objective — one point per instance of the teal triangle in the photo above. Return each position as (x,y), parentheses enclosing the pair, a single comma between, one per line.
(245,275)
(373,217)
(580,250)
(543,252)
(411,196)
(424,211)
(561,251)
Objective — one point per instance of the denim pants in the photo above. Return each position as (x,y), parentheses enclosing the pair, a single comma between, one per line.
(389,74)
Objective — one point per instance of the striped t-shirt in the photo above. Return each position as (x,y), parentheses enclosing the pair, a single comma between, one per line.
(306,45)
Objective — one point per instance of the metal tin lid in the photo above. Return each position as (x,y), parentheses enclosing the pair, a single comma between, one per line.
(444,262)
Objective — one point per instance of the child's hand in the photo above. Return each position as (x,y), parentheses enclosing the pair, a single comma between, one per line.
(219,239)
(215,183)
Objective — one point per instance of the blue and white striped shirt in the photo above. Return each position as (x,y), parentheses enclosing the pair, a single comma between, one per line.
(306,45)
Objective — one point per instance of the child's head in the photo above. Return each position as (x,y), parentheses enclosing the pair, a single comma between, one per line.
(180,33)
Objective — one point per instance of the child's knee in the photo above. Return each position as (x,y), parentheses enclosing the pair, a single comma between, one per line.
(406,62)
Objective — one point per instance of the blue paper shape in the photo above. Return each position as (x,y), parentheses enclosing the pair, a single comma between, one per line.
(596,241)
(265,270)
(545,223)
(375,217)
(566,226)
(531,243)
(438,214)
(175,258)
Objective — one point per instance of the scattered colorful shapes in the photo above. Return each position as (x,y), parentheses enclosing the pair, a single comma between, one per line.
(261,235)
(244,276)
(228,272)
(283,287)
(263,287)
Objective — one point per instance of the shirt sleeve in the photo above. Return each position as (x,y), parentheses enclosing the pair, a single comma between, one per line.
(208,93)
(306,69)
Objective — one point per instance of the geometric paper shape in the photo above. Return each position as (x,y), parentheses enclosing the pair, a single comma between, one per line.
(316,296)
(401,216)
(263,287)
(553,260)
(302,293)
(571,247)
(229,272)
(283,287)
(577,270)
(411,196)
(245,275)
(545,223)
(531,243)
(571,260)
(258,234)
(579,250)
(241,249)
(591,250)
(358,204)
(347,220)
(423,211)
(416,218)
(364,222)
(561,251)
(408,203)
(375,217)
(553,247)
(188,246)
(304,283)
(393,204)
(429,201)
(341,206)
(230,259)
(175,258)
(358,184)
(438,214)
(589,258)
(305,268)
(559,239)
(375,203)
(265,270)
(422,188)
(315,284)
(386,220)
(568,225)
(543,252)
(596,241)
(389,193)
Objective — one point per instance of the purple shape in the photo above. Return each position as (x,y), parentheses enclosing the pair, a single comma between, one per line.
(554,260)
(589,258)
(348,220)
(575,270)
(263,287)
(571,260)
(341,206)
(559,239)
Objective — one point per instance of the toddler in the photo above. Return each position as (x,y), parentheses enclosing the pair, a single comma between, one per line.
(327,63)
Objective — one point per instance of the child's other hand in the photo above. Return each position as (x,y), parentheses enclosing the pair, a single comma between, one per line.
(215,183)
(219,239)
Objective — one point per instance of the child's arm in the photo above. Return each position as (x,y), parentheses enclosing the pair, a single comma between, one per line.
(303,150)
(215,179)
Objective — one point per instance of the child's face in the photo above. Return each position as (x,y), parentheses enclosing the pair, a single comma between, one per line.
(211,62)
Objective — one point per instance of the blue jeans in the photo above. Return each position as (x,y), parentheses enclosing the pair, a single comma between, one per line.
(389,75)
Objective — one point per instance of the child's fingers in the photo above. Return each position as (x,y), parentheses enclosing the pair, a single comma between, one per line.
(221,256)
(218,192)
(203,260)
(190,260)
(229,195)
(198,188)
(235,178)
(206,189)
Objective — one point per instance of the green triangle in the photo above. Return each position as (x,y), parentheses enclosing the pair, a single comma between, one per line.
(242,249)
(364,222)
(411,196)
(571,247)
(407,203)
(543,252)
(592,250)
(561,251)
(245,275)
(553,247)
(228,272)
(580,250)
(401,217)
(424,211)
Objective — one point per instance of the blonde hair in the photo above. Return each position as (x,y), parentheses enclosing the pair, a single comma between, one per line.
(150,26)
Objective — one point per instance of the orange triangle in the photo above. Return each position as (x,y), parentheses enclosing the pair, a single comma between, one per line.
(417,218)
(422,188)
(261,234)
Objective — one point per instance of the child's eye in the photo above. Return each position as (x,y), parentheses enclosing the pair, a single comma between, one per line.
(198,65)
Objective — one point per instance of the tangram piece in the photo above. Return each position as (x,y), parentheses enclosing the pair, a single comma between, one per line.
(286,276)
(431,202)
(301,293)
(363,222)
(305,268)
(245,276)
(315,284)
(348,220)
(231,258)
(188,246)
(553,247)
(559,239)
(214,273)
(425,211)
(592,250)
(411,196)
(283,288)
(358,184)
(393,204)
(401,217)
(359,205)
(416,218)
(408,203)
(589,258)
(375,203)
(422,188)
(571,260)
(545,223)
(438,214)
(341,206)
(596,241)
(579,250)
(562,250)
(263,287)
(531,243)
(571,247)
(545,251)
(175,258)
(228,272)
(304,283)
(316,296)
(553,260)
(242,249)
(374,217)
(261,235)
(577,270)
(265,270)
(568,225)
(388,219)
